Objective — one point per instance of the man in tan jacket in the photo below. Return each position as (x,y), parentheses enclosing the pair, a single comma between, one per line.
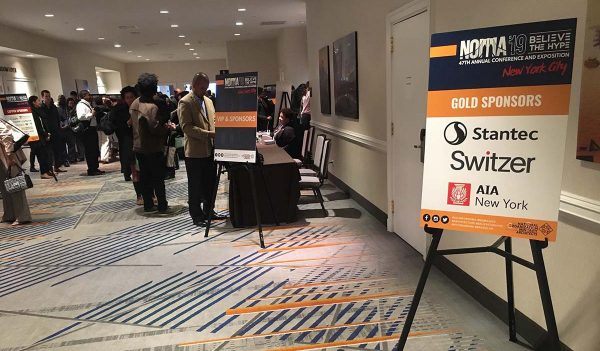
(197,120)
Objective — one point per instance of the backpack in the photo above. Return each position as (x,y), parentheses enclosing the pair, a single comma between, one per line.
(106,124)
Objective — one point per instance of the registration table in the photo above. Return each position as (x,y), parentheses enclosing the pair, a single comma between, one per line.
(282,178)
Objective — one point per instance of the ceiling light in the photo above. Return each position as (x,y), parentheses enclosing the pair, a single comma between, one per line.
(29,55)
(164,11)
(182,36)
(242,10)
(129,51)
(139,56)
(237,34)
(147,59)
(197,58)
(195,54)
(186,44)
(79,28)
(49,15)
(174,26)
(191,49)
(239,23)
(117,45)
(101,38)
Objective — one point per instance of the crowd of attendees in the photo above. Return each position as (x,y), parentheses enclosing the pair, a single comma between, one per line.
(141,129)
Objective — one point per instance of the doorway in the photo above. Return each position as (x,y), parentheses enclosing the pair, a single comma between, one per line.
(408,66)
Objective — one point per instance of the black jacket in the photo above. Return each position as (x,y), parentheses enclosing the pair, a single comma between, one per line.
(52,118)
(290,139)
(39,124)
(119,116)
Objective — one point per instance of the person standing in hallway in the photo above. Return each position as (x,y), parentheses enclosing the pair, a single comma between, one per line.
(38,147)
(72,112)
(197,119)
(87,115)
(305,115)
(150,126)
(16,209)
(56,141)
(102,110)
(65,129)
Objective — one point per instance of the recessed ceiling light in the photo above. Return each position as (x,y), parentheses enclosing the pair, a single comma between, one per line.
(174,26)
(195,54)
(49,15)
(139,56)
(79,28)
(197,58)
(101,38)
(129,51)
(164,11)
(186,44)
(242,10)
(182,36)
(147,59)
(191,49)
(239,23)
(237,34)
(117,45)
(29,55)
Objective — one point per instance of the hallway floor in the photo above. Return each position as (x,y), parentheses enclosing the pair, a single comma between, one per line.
(93,272)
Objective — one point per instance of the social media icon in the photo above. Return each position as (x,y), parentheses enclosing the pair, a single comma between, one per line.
(445,219)
(436,218)
(426,217)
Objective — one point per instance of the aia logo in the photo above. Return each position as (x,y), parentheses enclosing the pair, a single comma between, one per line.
(459,194)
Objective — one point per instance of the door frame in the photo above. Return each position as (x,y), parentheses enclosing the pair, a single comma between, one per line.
(409,10)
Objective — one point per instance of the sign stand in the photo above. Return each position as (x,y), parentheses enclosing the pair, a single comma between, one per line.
(251,168)
(552,340)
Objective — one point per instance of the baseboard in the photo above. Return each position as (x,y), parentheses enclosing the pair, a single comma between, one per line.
(532,332)
(361,200)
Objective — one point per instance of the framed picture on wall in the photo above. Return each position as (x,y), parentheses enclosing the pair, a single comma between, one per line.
(588,138)
(325,80)
(345,76)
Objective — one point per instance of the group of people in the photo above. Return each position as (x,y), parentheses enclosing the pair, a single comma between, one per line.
(144,124)
(294,121)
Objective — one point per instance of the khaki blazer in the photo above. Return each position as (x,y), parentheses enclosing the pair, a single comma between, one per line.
(196,126)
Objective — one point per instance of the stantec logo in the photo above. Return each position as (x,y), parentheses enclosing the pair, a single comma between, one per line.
(459,194)
(455,133)
(483,48)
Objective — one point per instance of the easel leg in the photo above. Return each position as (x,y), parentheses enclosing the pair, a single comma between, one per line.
(552,340)
(262,176)
(256,208)
(214,199)
(437,236)
(510,293)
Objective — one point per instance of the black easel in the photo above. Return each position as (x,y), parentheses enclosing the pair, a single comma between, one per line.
(552,340)
(224,167)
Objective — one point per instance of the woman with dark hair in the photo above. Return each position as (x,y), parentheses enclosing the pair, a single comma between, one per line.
(16,210)
(288,133)
(39,147)
(150,125)
(66,132)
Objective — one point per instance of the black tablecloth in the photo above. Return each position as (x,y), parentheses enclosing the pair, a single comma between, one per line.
(282,178)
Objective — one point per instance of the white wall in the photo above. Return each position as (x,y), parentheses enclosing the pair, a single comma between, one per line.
(572,262)
(254,56)
(73,62)
(47,75)
(175,72)
(292,55)
(24,69)
(112,82)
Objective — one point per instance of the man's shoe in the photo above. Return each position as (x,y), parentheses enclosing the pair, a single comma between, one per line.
(200,222)
(101,171)
(217,217)
(67,164)
(127,178)
(33,170)
(151,209)
(93,173)
(58,170)
(46,176)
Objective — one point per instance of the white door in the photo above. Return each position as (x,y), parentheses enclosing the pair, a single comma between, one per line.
(20,86)
(410,65)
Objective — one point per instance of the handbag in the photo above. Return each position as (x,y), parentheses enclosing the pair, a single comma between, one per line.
(20,182)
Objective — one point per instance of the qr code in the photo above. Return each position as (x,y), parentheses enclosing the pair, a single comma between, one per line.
(525,228)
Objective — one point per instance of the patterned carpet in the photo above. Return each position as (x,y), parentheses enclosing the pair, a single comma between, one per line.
(93,272)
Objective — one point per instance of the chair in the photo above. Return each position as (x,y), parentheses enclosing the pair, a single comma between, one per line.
(311,134)
(315,183)
(316,159)
(303,153)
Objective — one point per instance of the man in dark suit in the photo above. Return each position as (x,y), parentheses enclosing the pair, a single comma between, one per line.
(197,119)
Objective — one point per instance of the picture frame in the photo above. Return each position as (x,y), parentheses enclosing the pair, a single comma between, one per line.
(345,82)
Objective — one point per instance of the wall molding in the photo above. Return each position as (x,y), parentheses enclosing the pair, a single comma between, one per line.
(580,206)
(357,138)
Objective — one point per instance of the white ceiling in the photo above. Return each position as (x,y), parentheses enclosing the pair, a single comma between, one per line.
(19,53)
(207,24)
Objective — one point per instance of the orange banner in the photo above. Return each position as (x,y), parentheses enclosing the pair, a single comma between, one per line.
(442,51)
(488,224)
(235,119)
(508,101)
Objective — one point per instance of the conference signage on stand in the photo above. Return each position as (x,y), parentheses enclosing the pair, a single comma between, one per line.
(497,112)
(16,110)
(236,117)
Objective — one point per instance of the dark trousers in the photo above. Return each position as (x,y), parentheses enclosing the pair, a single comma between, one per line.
(58,149)
(125,153)
(305,121)
(40,150)
(202,175)
(80,146)
(152,179)
(92,150)
(70,142)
